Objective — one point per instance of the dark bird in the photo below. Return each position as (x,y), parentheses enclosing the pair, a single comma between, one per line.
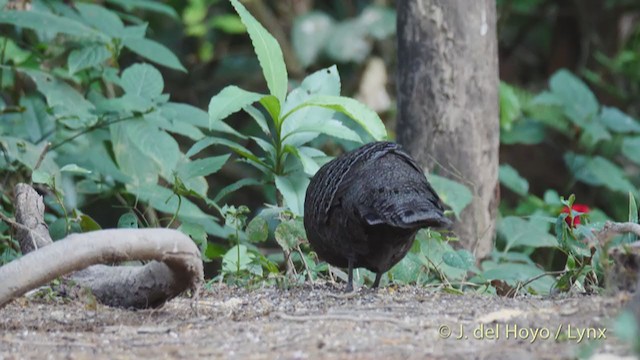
(363,208)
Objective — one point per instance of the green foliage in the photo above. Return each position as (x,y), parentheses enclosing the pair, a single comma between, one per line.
(111,130)
(317,33)
(288,121)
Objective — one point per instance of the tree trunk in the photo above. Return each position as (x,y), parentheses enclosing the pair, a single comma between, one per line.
(448,102)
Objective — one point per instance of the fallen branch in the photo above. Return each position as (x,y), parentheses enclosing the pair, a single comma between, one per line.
(611,229)
(177,269)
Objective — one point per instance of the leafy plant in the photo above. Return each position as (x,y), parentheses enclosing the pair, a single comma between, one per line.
(78,124)
(288,121)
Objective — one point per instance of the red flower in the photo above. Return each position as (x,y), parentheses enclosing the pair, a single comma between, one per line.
(580,208)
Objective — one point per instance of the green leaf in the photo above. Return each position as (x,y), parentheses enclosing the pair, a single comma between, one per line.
(230,263)
(202,167)
(197,233)
(192,115)
(229,23)
(461,259)
(510,178)
(520,232)
(101,18)
(360,113)
(268,51)
(87,57)
(633,218)
(128,221)
(63,97)
(237,148)
(309,34)
(598,171)
(309,165)
(143,80)
(41,21)
(293,189)
(631,148)
(272,105)
(510,108)
(259,118)
(151,5)
(235,186)
(88,224)
(289,234)
(73,168)
(228,101)
(617,121)
(526,131)
(578,100)
(452,193)
(257,230)
(41,177)
(153,51)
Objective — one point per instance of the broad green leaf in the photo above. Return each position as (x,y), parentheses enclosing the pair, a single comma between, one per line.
(197,233)
(101,18)
(142,80)
(268,51)
(228,101)
(12,52)
(598,171)
(15,149)
(461,259)
(60,95)
(526,131)
(309,35)
(257,230)
(131,160)
(452,193)
(631,148)
(87,57)
(289,234)
(128,221)
(293,189)
(41,21)
(202,167)
(272,105)
(510,178)
(617,121)
(348,41)
(151,5)
(578,100)
(329,127)
(153,51)
(238,258)
(380,21)
(367,118)
(519,232)
(302,125)
(41,177)
(156,145)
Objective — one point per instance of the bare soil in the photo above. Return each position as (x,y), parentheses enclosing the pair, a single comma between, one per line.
(315,322)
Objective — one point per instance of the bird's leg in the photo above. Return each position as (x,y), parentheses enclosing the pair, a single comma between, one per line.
(376,282)
(350,279)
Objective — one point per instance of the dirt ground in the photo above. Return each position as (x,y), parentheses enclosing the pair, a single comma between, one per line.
(316,322)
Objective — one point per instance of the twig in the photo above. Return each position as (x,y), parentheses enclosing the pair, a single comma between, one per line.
(13,223)
(43,153)
(612,229)
(335,317)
